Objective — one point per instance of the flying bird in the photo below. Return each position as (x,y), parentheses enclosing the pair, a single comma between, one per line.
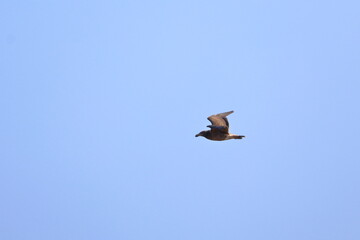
(219,128)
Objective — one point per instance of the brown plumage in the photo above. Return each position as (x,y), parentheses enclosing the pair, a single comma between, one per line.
(219,128)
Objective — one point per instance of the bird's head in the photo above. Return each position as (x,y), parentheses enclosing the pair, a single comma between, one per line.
(202,134)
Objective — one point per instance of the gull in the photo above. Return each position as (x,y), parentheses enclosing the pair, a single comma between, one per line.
(219,128)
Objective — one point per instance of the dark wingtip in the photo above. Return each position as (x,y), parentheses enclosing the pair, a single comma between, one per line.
(228,113)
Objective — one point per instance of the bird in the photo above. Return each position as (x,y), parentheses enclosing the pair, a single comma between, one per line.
(219,128)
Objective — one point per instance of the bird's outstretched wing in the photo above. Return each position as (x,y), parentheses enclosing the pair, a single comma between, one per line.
(219,122)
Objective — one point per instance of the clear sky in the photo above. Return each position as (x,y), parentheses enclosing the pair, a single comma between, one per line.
(101,100)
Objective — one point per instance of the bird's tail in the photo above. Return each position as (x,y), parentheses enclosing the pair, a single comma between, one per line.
(236,136)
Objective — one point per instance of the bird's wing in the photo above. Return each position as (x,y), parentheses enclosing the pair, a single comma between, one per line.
(219,122)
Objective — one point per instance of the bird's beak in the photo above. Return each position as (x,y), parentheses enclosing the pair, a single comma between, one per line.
(197,135)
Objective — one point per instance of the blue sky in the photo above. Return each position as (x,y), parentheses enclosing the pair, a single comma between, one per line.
(101,101)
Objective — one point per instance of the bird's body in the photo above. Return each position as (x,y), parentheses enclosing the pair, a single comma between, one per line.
(219,128)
